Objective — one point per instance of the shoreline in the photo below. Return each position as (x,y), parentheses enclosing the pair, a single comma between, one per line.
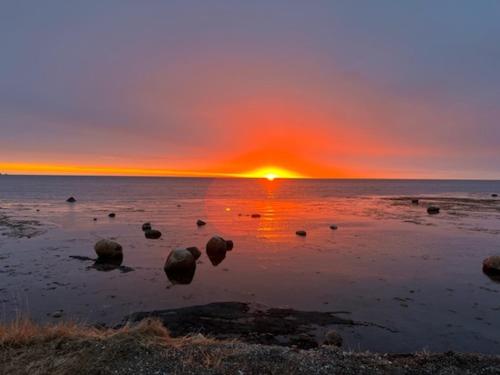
(147,348)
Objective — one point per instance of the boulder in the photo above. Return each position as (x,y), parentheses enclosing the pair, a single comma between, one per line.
(107,249)
(432,210)
(333,338)
(152,234)
(255,216)
(146,226)
(491,265)
(200,223)
(229,245)
(414,201)
(95,219)
(112,214)
(334,227)
(180,266)
(217,248)
(71,200)
(194,251)
(494,195)
(302,233)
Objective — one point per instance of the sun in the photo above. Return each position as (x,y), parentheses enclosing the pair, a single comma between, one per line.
(271,176)
(271,173)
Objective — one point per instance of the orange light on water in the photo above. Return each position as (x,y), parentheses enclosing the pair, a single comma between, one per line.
(271,173)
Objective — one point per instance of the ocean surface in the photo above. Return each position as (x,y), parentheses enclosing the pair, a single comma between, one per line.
(417,277)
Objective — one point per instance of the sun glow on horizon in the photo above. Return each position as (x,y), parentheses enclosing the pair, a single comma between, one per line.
(271,173)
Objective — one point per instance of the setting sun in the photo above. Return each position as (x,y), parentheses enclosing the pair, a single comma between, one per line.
(271,173)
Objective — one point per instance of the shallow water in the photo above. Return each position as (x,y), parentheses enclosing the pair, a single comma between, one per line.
(417,276)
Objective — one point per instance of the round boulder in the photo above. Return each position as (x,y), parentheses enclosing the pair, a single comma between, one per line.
(180,266)
(107,249)
(333,338)
(152,234)
(301,233)
(491,265)
(146,226)
(494,195)
(200,223)
(216,245)
(334,227)
(71,200)
(112,214)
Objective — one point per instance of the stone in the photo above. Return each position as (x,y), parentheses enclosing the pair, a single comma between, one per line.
(333,338)
(494,195)
(302,233)
(229,245)
(432,210)
(146,226)
(200,223)
(195,252)
(414,201)
(112,214)
(216,245)
(255,216)
(71,200)
(95,219)
(152,234)
(491,265)
(334,227)
(180,266)
(107,249)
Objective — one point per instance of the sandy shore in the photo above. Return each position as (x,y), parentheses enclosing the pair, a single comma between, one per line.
(147,348)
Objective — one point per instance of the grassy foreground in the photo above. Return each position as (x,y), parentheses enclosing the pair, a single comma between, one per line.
(147,348)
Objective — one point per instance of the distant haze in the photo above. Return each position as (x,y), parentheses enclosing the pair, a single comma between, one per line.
(397,89)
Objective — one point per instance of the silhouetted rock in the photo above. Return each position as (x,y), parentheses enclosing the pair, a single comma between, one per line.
(217,248)
(333,338)
(414,201)
(95,219)
(194,251)
(432,210)
(112,214)
(491,265)
(71,200)
(152,234)
(146,226)
(494,195)
(180,266)
(107,249)
(200,223)
(255,216)
(229,245)
(334,227)
(302,233)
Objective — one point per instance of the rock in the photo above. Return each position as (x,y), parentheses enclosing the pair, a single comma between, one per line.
(217,248)
(112,214)
(107,249)
(491,265)
(414,201)
(180,266)
(302,233)
(152,234)
(71,200)
(200,223)
(334,227)
(432,210)
(95,219)
(194,251)
(333,338)
(494,195)
(57,314)
(229,245)
(146,226)
(255,216)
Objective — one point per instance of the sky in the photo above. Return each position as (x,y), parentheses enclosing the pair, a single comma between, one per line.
(328,89)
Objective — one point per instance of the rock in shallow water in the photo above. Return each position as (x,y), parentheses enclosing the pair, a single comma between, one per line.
(334,227)
(200,223)
(301,233)
(180,266)
(71,200)
(146,226)
(194,251)
(491,265)
(333,338)
(152,234)
(432,210)
(107,249)
(112,214)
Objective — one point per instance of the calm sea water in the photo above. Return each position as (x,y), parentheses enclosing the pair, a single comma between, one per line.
(389,262)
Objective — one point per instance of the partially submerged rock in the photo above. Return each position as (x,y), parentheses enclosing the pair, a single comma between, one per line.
(494,195)
(491,265)
(432,210)
(200,223)
(180,266)
(112,214)
(108,250)
(146,226)
(152,234)
(71,200)
(216,249)
(255,216)
(334,227)
(301,233)
(414,201)
(248,322)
